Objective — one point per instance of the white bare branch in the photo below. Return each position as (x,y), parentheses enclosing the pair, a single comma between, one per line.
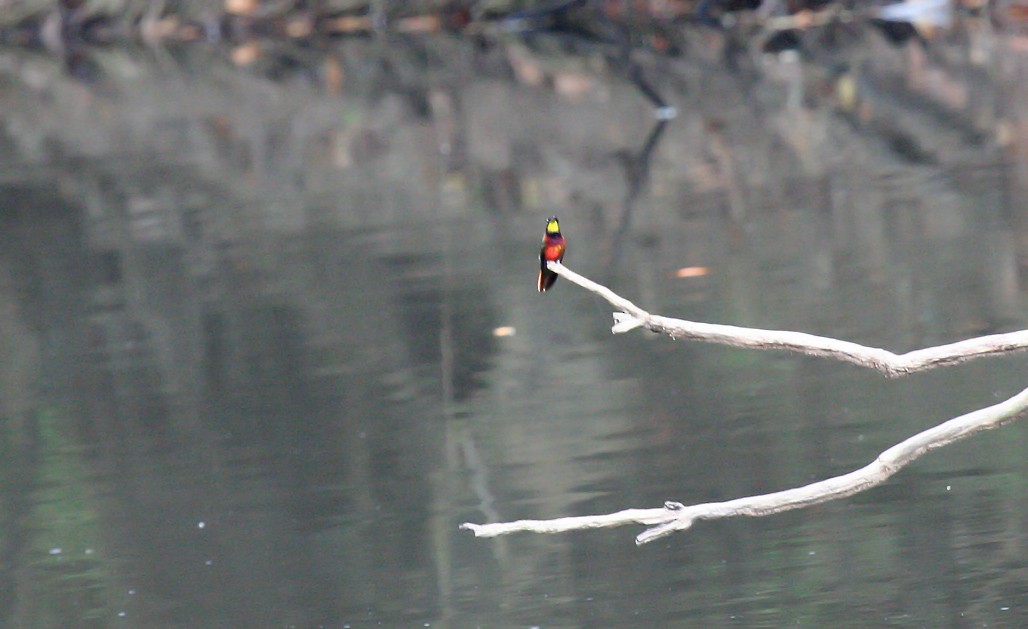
(677,517)
(893,365)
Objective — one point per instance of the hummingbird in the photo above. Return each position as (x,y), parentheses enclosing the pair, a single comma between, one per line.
(553,250)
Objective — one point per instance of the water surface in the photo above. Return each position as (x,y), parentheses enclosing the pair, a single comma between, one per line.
(270,334)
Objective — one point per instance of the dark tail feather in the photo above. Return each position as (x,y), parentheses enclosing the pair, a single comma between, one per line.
(546,280)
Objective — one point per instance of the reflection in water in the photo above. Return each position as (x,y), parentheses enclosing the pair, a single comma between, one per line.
(637,173)
(250,376)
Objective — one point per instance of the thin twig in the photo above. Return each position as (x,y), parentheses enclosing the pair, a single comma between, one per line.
(677,517)
(892,365)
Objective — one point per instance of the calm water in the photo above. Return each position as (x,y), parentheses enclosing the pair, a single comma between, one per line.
(270,334)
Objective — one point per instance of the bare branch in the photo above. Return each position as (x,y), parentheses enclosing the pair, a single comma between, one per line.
(892,365)
(677,517)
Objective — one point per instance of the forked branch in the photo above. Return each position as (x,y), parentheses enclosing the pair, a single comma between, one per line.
(675,516)
(631,316)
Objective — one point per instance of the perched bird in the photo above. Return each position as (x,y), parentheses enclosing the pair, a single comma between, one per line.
(553,250)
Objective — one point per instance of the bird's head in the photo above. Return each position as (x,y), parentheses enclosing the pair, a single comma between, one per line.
(552,226)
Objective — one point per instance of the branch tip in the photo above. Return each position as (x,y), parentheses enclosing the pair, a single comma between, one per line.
(624,322)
